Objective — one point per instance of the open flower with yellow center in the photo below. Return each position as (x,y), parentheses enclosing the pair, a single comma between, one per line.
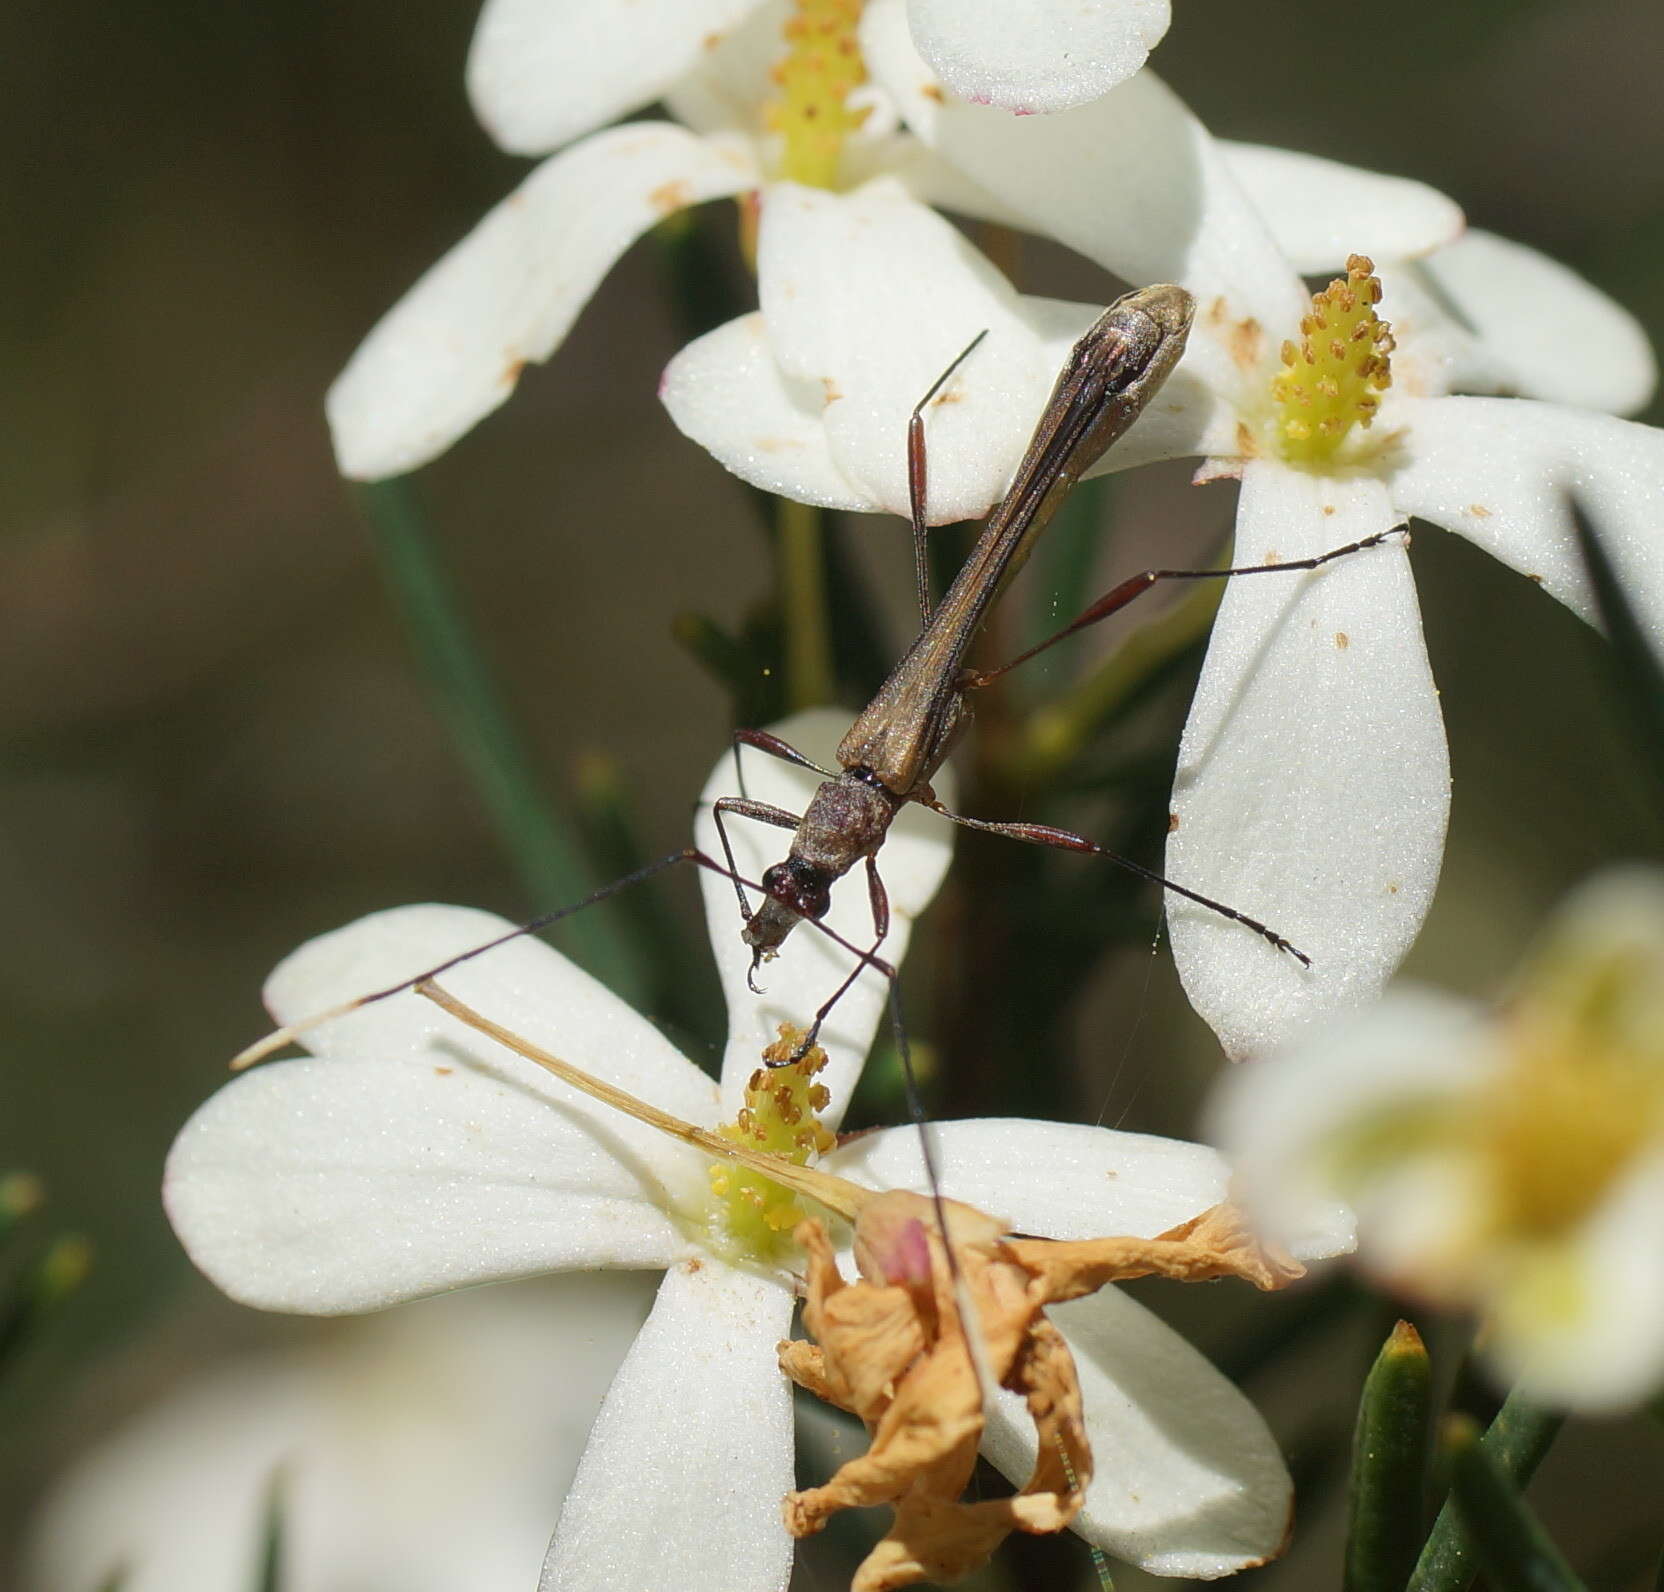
(1506,1162)
(410,1155)
(1313,780)
(769,98)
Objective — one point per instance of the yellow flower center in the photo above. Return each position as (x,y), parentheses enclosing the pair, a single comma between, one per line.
(1333,378)
(754,1214)
(811,112)
(1582,1094)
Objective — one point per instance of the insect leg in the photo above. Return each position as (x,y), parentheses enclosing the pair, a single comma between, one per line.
(1118,597)
(775,747)
(880,901)
(744,807)
(1066,840)
(918,476)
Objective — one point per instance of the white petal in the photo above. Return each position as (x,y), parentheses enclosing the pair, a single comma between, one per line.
(541,72)
(930,179)
(1313,780)
(1133,180)
(810,967)
(1320,211)
(328,1187)
(869,297)
(1546,332)
(482,1399)
(1584,1327)
(1061,52)
(726,392)
(1187,1480)
(1277,1118)
(523,984)
(176,1499)
(680,1486)
(451,350)
(728,86)
(729,394)
(1498,471)
(1047,1179)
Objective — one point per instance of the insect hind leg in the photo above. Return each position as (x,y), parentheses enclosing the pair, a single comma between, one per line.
(1067,840)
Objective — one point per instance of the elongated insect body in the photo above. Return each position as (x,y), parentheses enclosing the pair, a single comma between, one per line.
(901,738)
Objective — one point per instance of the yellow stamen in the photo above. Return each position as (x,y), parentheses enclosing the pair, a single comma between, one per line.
(1559,1126)
(811,113)
(1583,1092)
(780,1117)
(1333,377)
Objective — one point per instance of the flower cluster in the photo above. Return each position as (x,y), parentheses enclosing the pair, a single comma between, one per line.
(512,1118)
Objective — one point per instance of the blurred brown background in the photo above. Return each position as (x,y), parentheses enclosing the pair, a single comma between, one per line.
(215,741)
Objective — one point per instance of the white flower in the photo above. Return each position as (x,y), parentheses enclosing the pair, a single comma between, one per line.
(1313,780)
(541,74)
(1508,1162)
(417,1451)
(453,348)
(411,1156)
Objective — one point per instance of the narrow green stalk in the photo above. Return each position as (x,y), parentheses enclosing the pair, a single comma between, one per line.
(269,1573)
(1389,1457)
(1515,1551)
(809,678)
(538,840)
(1517,1440)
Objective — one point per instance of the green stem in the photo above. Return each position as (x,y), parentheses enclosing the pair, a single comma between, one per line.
(809,679)
(1517,1554)
(535,835)
(1517,1440)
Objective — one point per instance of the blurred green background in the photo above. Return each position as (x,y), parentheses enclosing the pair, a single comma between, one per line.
(216,740)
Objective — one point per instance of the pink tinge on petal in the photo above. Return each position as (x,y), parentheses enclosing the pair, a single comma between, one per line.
(1163,206)
(1062,53)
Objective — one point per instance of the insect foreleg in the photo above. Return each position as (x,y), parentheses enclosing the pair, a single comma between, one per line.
(744,807)
(880,900)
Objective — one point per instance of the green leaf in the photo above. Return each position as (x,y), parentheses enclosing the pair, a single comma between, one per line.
(1389,1461)
(1517,1441)
(1514,1550)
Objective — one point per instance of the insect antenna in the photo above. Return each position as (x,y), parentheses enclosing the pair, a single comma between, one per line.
(289,1033)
